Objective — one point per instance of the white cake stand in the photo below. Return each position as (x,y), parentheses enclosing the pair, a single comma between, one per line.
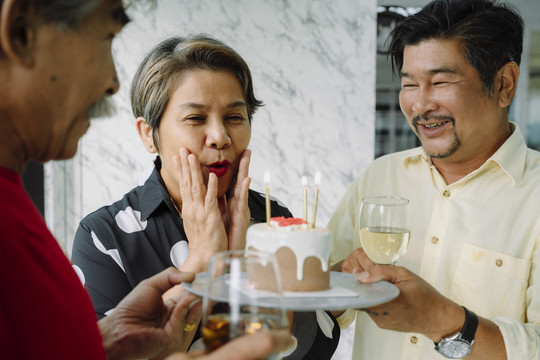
(345,293)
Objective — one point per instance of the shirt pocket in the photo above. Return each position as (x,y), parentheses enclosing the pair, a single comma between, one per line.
(491,283)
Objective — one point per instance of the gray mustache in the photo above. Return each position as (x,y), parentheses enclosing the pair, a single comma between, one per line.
(103,108)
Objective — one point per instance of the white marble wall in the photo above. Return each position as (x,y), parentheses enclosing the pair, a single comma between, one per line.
(313,64)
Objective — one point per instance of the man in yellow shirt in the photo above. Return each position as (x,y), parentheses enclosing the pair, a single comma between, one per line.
(469,282)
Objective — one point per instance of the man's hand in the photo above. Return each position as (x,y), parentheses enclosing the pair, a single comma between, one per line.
(418,308)
(145,326)
(356,262)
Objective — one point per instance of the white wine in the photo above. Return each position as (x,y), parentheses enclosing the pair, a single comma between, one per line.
(384,245)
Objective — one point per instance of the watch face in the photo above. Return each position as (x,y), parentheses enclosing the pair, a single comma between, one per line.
(455,349)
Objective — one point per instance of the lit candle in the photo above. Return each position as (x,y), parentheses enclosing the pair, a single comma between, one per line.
(304,183)
(267,182)
(317,183)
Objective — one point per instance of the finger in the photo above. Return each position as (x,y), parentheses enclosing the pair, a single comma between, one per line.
(364,261)
(243,168)
(179,174)
(244,191)
(338,267)
(211,190)
(254,346)
(173,292)
(197,183)
(225,214)
(372,272)
(380,272)
(352,265)
(185,181)
(168,278)
(181,313)
(222,206)
(194,314)
(242,174)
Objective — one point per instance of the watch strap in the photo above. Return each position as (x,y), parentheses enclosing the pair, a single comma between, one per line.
(471,324)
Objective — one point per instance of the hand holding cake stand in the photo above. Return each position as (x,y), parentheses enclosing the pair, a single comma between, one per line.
(302,254)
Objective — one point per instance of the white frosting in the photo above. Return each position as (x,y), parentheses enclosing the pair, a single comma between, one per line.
(303,241)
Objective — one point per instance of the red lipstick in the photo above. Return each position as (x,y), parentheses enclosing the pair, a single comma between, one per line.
(219,168)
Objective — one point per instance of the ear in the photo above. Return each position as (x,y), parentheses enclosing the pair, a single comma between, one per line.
(18,27)
(508,75)
(145,133)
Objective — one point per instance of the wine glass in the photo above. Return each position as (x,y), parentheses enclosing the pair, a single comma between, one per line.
(243,295)
(385,226)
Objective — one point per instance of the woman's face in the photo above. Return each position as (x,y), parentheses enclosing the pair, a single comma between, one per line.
(206,114)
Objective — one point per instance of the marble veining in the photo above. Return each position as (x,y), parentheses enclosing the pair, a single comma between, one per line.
(313,65)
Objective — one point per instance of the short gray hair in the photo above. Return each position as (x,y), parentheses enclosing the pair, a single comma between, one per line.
(157,76)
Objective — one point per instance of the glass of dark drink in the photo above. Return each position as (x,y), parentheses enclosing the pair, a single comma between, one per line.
(233,302)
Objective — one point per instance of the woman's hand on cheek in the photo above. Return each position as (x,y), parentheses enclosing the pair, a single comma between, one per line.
(238,213)
(200,213)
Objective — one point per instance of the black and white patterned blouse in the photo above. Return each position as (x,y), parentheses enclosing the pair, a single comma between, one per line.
(118,246)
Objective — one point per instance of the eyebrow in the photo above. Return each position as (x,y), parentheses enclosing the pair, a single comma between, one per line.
(440,70)
(119,15)
(204,107)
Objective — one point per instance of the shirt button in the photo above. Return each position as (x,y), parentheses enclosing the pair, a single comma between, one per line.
(434,240)
(446,193)
(499,262)
(414,340)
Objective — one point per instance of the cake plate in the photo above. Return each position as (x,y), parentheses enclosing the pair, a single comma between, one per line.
(345,293)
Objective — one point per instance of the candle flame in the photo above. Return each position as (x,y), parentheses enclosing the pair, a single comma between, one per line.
(304,180)
(318,178)
(267,178)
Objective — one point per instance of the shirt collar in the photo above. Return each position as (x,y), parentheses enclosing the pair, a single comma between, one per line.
(154,193)
(510,157)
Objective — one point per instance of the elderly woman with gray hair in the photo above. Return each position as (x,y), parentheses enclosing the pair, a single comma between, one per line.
(193,102)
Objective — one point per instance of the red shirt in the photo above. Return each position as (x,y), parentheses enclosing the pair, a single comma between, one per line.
(45,313)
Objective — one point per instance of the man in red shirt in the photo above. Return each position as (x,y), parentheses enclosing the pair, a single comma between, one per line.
(56,71)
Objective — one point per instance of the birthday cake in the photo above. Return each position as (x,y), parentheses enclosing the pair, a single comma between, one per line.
(302,252)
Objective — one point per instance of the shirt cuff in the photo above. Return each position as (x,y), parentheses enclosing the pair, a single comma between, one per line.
(521,340)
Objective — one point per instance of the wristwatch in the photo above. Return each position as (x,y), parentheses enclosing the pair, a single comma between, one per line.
(459,345)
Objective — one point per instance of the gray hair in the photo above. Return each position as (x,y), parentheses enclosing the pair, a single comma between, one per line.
(65,13)
(157,76)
